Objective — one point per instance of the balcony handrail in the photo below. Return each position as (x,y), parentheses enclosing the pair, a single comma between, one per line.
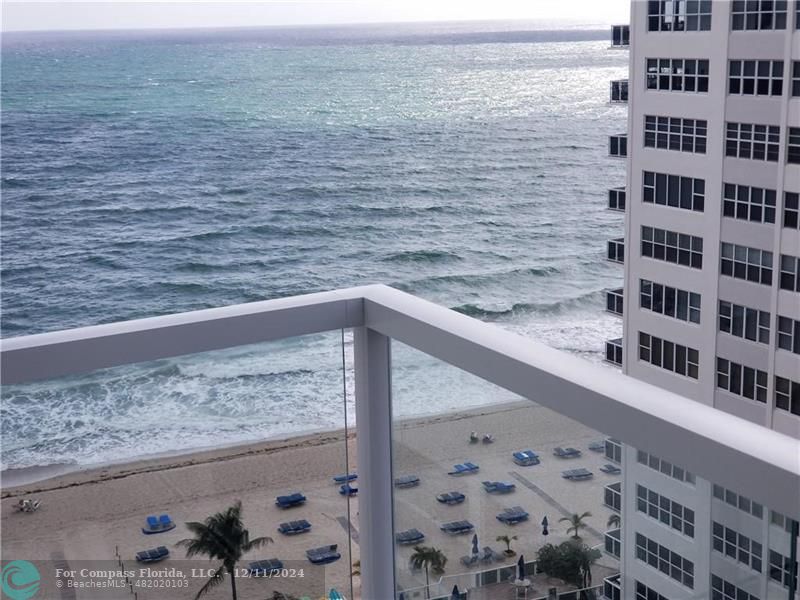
(728,450)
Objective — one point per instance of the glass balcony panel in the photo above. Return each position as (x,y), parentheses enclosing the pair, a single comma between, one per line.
(487,463)
(103,471)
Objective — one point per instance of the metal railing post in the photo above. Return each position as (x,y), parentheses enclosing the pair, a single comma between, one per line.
(374,440)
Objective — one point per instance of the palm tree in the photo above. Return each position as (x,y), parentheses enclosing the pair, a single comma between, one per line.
(507,541)
(221,537)
(576,523)
(428,556)
(614,521)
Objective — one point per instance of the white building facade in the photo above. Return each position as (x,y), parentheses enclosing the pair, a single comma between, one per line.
(712,280)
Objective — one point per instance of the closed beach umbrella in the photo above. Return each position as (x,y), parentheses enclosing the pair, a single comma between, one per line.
(475,544)
(521,568)
(545,524)
(456,595)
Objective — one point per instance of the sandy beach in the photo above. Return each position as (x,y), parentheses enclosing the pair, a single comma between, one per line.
(91,517)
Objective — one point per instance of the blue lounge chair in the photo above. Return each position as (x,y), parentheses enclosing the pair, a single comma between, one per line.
(566,452)
(265,568)
(464,469)
(611,469)
(577,474)
(526,458)
(323,555)
(151,556)
(498,487)
(348,490)
(295,499)
(513,515)
(295,527)
(451,498)
(158,524)
(457,527)
(597,446)
(406,481)
(489,554)
(471,560)
(412,536)
(345,478)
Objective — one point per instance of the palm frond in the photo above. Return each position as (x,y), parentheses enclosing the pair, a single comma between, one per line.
(213,581)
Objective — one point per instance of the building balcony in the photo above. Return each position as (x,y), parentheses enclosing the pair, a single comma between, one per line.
(614,351)
(612,542)
(620,36)
(619,91)
(612,496)
(616,199)
(612,590)
(615,251)
(371,356)
(618,145)
(614,301)
(613,450)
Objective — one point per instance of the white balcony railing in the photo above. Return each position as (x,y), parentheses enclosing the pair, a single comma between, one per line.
(733,452)
(614,301)
(616,199)
(611,588)
(618,94)
(612,496)
(615,250)
(612,542)
(620,36)
(618,145)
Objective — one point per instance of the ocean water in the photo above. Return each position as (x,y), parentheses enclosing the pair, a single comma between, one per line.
(145,174)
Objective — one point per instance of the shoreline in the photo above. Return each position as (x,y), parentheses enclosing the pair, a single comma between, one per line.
(65,475)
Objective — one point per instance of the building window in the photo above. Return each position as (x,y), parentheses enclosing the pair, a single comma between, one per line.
(677,74)
(614,351)
(619,91)
(613,450)
(678,15)
(755,77)
(725,590)
(667,511)
(669,301)
(789,334)
(664,467)
(665,560)
(748,203)
(739,547)
(673,190)
(738,501)
(618,145)
(781,521)
(668,355)
(645,593)
(757,142)
(620,35)
(675,133)
(741,380)
(669,246)
(750,264)
(744,322)
(790,273)
(758,14)
(616,198)
(780,568)
(796,77)
(787,395)
(791,210)
(793,146)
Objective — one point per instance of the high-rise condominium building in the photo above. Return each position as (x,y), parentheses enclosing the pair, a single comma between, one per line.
(711,293)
